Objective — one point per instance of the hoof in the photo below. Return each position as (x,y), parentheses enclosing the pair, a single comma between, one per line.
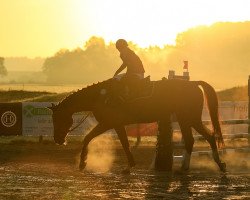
(184,168)
(223,167)
(132,164)
(180,172)
(82,165)
(126,171)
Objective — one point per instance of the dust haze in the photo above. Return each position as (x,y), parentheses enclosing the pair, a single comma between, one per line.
(218,54)
(101,154)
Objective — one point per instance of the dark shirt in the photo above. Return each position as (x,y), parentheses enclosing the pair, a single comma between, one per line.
(132,61)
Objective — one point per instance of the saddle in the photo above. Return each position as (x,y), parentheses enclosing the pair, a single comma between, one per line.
(143,89)
(126,92)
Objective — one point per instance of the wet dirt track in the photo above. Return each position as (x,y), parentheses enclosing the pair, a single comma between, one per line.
(50,172)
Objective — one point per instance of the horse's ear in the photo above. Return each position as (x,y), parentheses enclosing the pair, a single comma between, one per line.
(52,107)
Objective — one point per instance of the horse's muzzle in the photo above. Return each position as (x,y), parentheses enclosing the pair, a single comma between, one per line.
(60,141)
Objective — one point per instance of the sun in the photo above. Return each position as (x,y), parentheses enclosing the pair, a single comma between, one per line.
(147,22)
(70,23)
(110,20)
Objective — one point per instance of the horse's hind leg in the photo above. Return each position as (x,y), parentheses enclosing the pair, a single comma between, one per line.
(189,142)
(122,135)
(204,131)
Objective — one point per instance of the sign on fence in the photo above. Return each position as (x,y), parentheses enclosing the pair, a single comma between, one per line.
(37,120)
(227,111)
(230,110)
(33,118)
(11,119)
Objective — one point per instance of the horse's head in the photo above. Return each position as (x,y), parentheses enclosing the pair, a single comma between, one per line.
(62,121)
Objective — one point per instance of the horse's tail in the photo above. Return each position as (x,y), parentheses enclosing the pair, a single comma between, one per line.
(212,103)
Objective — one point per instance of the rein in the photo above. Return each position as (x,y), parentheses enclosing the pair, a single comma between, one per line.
(81,121)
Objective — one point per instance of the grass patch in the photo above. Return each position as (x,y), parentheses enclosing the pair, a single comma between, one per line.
(13,96)
(234,94)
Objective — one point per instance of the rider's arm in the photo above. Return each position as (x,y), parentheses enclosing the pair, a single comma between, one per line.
(122,67)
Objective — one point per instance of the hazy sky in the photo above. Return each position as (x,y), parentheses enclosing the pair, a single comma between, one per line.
(42,27)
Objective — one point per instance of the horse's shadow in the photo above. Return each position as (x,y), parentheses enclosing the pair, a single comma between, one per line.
(178,185)
(167,185)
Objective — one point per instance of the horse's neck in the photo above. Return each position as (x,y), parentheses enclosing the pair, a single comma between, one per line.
(84,100)
(67,107)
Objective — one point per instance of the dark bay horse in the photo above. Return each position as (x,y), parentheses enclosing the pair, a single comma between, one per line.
(183,98)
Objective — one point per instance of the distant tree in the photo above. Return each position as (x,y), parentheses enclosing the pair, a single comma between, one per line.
(218,54)
(95,62)
(3,70)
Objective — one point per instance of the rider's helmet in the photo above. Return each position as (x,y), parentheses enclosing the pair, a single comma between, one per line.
(121,43)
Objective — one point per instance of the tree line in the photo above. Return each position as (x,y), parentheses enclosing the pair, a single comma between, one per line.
(218,54)
(3,70)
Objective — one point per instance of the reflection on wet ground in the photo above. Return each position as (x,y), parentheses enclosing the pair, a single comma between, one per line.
(16,182)
(47,171)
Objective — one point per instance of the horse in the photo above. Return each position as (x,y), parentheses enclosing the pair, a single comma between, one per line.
(183,98)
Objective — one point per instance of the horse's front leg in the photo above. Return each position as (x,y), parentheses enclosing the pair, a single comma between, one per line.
(97,130)
(122,135)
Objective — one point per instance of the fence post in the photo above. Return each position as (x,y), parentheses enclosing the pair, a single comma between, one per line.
(164,147)
(248,109)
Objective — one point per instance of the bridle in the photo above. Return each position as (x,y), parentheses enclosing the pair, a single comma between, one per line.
(81,121)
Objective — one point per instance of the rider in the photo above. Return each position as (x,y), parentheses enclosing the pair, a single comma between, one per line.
(130,60)
(135,70)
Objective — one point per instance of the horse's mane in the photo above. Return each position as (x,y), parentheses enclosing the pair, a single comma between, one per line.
(89,88)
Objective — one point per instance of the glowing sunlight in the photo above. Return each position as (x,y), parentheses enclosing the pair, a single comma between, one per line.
(42,27)
(158,22)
